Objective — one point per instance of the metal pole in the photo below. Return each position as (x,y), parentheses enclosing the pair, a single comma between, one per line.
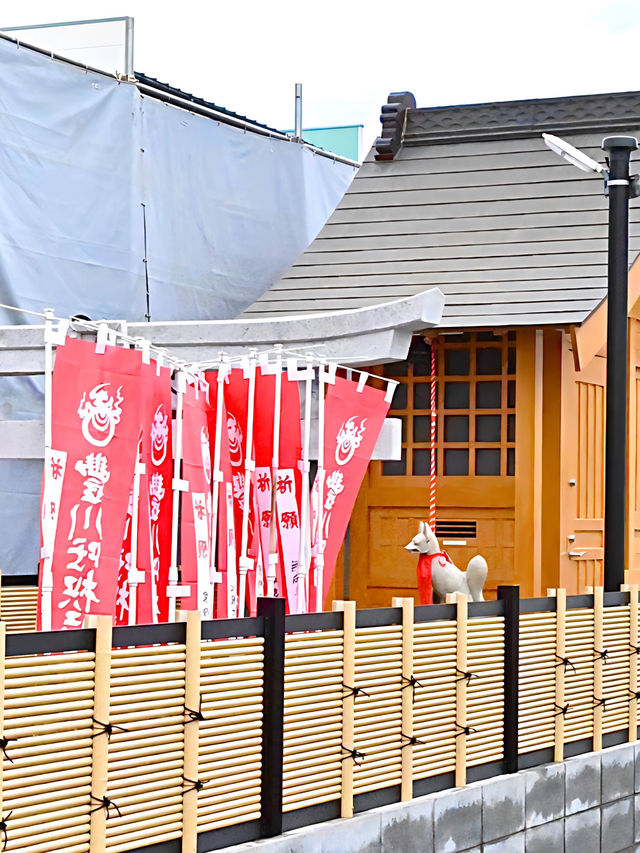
(271,610)
(510,595)
(619,149)
(298,118)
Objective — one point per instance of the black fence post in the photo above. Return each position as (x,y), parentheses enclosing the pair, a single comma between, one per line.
(511,597)
(272,611)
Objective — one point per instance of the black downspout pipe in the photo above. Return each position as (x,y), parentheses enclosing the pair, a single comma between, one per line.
(619,150)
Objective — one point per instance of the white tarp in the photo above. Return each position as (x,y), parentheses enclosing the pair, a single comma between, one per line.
(80,154)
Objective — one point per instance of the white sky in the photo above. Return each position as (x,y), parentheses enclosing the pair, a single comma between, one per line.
(246,55)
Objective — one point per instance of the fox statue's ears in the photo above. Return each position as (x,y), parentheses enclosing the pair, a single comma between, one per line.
(423,528)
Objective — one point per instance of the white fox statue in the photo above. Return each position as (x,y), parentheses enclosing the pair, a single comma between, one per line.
(436,569)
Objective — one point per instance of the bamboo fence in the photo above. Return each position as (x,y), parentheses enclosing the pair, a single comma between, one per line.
(196,735)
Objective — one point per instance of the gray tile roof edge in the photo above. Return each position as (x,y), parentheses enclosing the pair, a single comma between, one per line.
(504,119)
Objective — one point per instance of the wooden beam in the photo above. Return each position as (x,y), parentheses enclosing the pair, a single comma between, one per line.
(589,337)
(551,456)
(525,506)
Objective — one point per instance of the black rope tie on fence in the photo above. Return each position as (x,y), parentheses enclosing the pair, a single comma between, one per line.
(353,753)
(104,803)
(354,691)
(465,676)
(411,740)
(562,709)
(107,728)
(464,730)
(565,662)
(634,650)
(635,694)
(194,716)
(597,703)
(601,655)
(196,784)
(412,682)
(4,743)
(3,830)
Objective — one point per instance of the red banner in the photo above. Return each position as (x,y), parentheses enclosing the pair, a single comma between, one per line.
(225,555)
(96,422)
(153,550)
(236,395)
(158,460)
(195,525)
(353,420)
(289,456)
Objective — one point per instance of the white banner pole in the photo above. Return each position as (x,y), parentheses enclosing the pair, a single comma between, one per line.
(47,549)
(134,576)
(275,464)
(178,486)
(245,563)
(319,579)
(223,368)
(303,604)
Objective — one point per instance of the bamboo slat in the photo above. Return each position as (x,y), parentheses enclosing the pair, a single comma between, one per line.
(485,690)
(191,731)
(18,608)
(579,684)
(616,638)
(147,744)
(461,689)
(633,662)
(230,735)
(314,674)
(42,794)
(378,670)
(434,709)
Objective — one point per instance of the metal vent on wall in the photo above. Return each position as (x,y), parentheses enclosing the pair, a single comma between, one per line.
(457,529)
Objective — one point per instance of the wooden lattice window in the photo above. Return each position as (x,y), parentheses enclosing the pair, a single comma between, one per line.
(475,404)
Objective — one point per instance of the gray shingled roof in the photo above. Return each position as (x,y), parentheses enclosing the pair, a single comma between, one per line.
(475,204)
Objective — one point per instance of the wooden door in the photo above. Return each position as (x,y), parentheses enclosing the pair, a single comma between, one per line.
(582,486)
(475,463)
(633,513)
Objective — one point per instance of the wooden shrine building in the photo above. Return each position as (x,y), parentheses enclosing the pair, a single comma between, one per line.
(468,199)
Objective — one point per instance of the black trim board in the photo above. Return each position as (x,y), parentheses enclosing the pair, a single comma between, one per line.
(485,771)
(432,612)
(173,846)
(434,784)
(220,629)
(376,617)
(309,815)
(329,621)
(485,608)
(226,836)
(148,635)
(375,799)
(42,642)
(20,580)
(538,605)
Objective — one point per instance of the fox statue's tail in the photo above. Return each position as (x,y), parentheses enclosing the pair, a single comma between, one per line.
(476,576)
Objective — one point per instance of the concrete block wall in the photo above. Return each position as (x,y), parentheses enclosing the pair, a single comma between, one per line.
(588,804)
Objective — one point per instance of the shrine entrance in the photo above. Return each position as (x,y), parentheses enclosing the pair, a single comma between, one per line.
(476,436)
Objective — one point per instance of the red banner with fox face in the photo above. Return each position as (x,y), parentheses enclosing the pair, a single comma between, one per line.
(96,422)
(155,499)
(157,457)
(353,419)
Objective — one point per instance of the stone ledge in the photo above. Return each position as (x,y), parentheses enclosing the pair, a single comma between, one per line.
(586,804)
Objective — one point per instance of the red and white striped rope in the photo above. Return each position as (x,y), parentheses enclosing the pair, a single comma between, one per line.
(432,472)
